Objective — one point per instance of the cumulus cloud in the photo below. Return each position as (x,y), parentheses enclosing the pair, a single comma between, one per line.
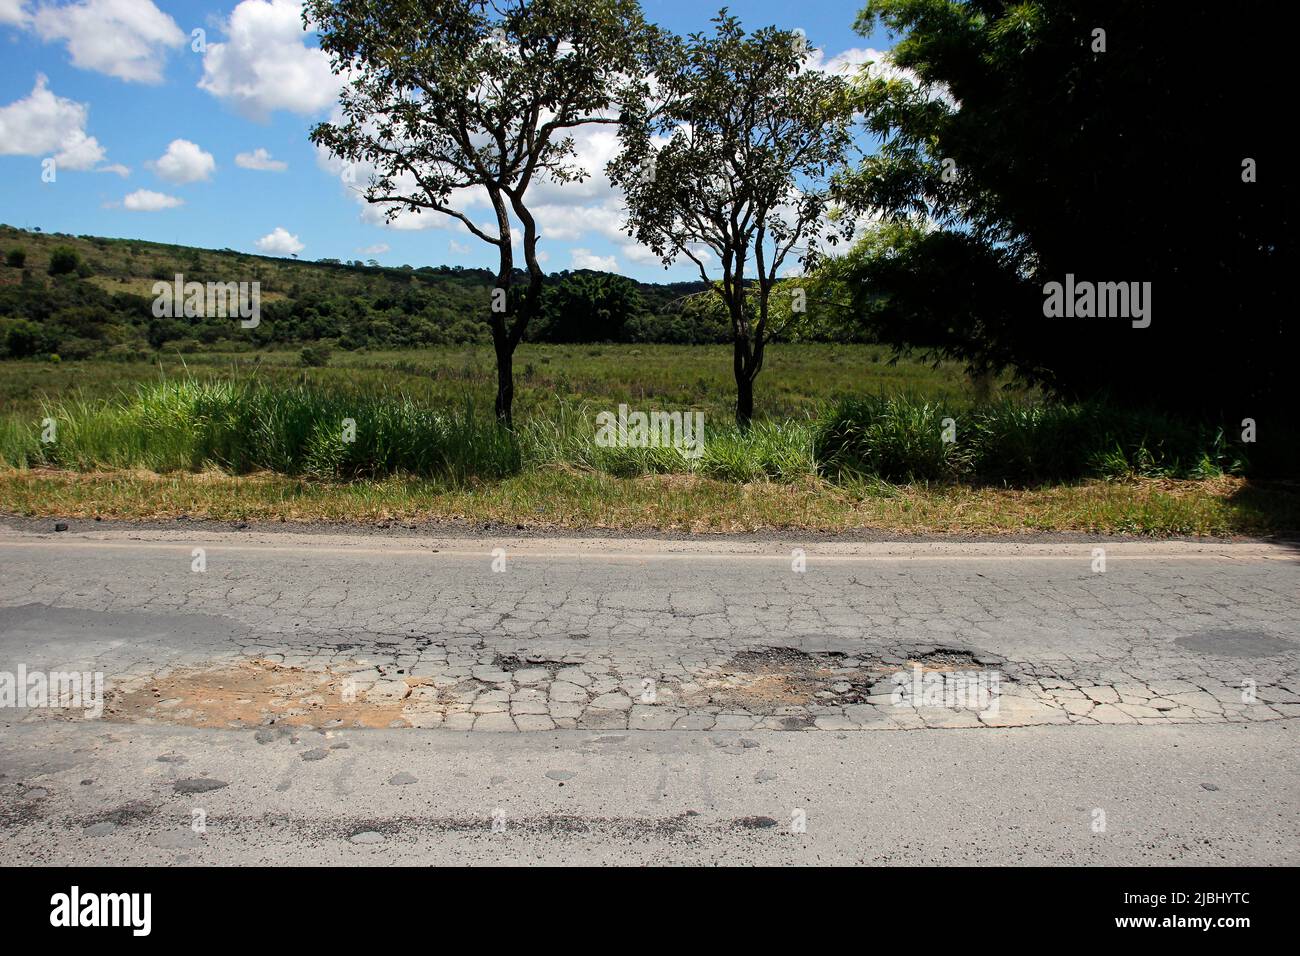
(146,200)
(567,222)
(280,242)
(355,177)
(264,65)
(184,162)
(260,159)
(572,212)
(117,168)
(127,39)
(879,64)
(43,124)
(586,259)
(12,12)
(640,254)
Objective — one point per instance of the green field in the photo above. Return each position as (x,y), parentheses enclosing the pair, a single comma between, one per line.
(796,381)
(130,450)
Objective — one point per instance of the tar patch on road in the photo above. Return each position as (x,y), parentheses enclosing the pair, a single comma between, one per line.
(1234,642)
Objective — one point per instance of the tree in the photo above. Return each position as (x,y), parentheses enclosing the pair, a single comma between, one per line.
(1034,140)
(752,136)
(934,292)
(448,99)
(62,261)
(589,307)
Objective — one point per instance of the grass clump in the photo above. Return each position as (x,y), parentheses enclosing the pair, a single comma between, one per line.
(243,427)
(902,439)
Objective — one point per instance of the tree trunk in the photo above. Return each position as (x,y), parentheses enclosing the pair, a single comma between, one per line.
(503,341)
(744,386)
(744,403)
(505,379)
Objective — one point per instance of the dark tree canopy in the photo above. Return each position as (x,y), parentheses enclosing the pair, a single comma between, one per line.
(589,307)
(1115,157)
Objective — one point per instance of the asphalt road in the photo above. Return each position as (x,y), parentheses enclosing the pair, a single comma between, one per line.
(280,698)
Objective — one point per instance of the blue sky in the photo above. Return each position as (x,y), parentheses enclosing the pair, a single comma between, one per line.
(153,140)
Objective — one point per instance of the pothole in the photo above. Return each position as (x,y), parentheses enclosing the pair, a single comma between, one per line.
(764,680)
(513,662)
(252,693)
(1235,642)
(945,659)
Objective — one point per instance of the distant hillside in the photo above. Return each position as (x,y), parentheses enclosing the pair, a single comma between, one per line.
(82,296)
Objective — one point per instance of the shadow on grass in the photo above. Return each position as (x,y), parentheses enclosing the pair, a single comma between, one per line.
(1272,504)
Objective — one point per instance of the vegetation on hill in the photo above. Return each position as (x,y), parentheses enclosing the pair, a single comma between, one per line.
(84,296)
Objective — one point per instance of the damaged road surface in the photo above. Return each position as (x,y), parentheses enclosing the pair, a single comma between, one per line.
(282,697)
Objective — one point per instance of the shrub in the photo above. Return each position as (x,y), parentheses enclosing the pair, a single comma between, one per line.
(24,339)
(16,258)
(897,439)
(315,356)
(62,261)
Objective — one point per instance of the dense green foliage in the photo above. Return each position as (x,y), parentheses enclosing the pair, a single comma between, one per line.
(1089,138)
(62,261)
(348,305)
(899,438)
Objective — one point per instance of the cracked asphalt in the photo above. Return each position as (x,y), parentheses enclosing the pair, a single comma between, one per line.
(337,698)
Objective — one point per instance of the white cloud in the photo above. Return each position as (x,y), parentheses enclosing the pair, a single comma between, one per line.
(585,259)
(44,124)
(264,65)
(184,162)
(127,39)
(458,247)
(12,12)
(849,63)
(146,200)
(260,159)
(117,168)
(566,222)
(378,249)
(640,254)
(280,242)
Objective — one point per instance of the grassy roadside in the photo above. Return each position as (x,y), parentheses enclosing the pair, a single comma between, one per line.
(564,497)
(222,441)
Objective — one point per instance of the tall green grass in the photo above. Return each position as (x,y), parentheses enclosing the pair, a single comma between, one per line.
(769,450)
(340,433)
(902,439)
(241,427)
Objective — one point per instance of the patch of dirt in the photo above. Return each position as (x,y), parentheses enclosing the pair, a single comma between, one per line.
(250,694)
(760,681)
